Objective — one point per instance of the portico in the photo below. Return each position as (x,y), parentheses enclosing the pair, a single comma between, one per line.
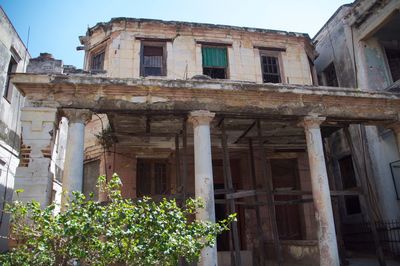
(191,124)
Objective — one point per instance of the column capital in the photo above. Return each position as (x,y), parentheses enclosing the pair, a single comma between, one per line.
(312,121)
(77,115)
(201,117)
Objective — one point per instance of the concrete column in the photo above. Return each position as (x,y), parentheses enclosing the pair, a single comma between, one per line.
(396,131)
(73,164)
(321,194)
(204,187)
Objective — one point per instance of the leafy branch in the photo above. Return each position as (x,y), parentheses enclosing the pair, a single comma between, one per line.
(122,232)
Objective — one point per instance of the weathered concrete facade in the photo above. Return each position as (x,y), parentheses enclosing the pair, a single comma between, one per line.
(13,58)
(121,40)
(250,139)
(359,48)
(362,33)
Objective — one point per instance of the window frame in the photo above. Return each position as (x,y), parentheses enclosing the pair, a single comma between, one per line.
(387,62)
(8,86)
(86,188)
(154,43)
(278,56)
(344,186)
(325,76)
(95,53)
(152,162)
(216,45)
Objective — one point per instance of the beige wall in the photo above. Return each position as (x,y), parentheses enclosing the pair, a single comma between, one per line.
(184,59)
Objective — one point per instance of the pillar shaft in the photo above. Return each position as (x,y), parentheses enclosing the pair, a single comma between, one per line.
(396,131)
(321,194)
(204,187)
(73,165)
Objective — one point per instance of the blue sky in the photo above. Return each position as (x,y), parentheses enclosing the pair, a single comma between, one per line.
(55,25)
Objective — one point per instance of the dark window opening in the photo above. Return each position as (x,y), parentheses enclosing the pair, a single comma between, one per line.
(330,76)
(349,181)
(215,62)
(284,176)
(393,58)
(270,69)
(8,89)
(153,61)
(151,177)
(222,210)
(215,73)
(221,213)
(97,61)
(91,172)
(311,65)
(352,205)
(320,80)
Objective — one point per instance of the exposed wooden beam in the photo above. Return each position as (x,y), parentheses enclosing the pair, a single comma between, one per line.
(260,231)
(178,176)
(267,176)
(144,134)
(229,186)
(245,132)
(184,159)
(360,164)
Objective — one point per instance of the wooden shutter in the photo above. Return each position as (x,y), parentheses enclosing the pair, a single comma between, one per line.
(215,57)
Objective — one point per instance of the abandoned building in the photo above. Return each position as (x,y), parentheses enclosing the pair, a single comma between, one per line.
(236,116)
(359,47)
(13,58)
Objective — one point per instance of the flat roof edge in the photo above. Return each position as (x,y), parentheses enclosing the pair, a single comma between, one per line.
(198,25)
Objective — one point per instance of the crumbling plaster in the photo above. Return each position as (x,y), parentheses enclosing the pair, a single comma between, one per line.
(10,132)
(348,40)
(107,94)
(121,41)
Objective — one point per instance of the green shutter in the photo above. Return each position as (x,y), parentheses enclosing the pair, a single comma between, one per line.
(214,57)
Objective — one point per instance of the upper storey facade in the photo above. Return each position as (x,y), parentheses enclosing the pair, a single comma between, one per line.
(133,48)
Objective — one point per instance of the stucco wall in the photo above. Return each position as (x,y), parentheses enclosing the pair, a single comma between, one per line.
(348,40)
(9,118)
(184,58)
(9,110)
(333,44)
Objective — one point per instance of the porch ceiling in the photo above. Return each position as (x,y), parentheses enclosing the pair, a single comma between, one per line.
(159,131)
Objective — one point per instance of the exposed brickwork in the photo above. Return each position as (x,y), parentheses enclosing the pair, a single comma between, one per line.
(46,152)
(25,155)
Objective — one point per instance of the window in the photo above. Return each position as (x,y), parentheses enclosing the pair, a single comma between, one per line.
(2,164)
(151,177)
(12,67)
(330,76)
(91,172)
(349,181)
(153,60)
(312,71)
(393,58)
(288,218)
(97,61)
(215,62)
(270,68)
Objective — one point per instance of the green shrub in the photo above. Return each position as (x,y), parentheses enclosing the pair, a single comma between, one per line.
(122,232)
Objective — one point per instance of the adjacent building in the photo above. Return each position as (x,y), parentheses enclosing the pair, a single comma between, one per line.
(14,58)
(359,47)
